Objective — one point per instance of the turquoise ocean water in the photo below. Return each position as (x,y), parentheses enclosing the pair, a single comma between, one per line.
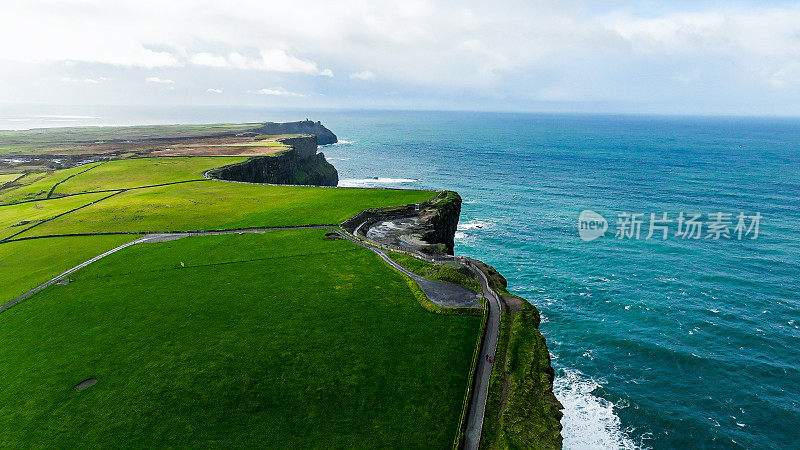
(657,343)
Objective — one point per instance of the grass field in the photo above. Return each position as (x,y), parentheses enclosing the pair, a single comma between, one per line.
(27,264)
(207,205)
(130,173)
(15,218)
(6,177)
(36,186)
(282,339)
(440,272)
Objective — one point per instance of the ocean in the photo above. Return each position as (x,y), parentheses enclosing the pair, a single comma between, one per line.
(684,339)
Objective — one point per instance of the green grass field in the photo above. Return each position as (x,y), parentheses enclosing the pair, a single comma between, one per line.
(205,205)
(27,264)
(439,272)
(15,218)
(36,186)
(6,177)
(130,173)
(282,339)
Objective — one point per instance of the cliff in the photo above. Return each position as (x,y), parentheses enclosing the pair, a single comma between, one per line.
(521,410)
(301,164)
(428,227)
(324,135)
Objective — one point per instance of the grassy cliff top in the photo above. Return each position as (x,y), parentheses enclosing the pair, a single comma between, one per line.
(277,338)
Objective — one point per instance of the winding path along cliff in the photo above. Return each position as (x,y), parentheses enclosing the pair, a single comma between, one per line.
(511,404)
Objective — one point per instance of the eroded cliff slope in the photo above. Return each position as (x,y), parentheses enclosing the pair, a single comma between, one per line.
(300,164)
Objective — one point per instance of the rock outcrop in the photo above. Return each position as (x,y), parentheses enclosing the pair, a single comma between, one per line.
(324,135)
(427,227)
(300,164)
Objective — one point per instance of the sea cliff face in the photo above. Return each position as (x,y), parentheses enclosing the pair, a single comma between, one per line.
(324,135)
(301,164)
(428,227)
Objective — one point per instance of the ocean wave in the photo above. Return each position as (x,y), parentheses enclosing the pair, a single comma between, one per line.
(339,142)
(362,182)
(589,421)
(475,224)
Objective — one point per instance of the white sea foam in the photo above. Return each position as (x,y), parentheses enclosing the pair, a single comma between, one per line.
(339,142)
(475,224)
(589,421)
(362,182)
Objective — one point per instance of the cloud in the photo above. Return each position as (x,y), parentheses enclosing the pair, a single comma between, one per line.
(703,54)
(68,80)
(158,80)
(209,60)
(214,91)
(363,75)
(273,60)
(97,80)
(279,92)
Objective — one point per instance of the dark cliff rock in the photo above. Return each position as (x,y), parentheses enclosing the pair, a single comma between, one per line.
(427,227)
(324,135)
(444,221)
(299,165)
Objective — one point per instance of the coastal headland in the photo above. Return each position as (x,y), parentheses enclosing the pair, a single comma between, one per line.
(189,285)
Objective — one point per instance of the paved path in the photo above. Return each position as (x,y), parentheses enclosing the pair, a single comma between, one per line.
(483,372)
(443,294)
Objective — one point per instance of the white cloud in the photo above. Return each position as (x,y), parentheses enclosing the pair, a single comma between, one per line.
(363,75)
(567,51)
(280,92)
(68,80)
(273,60)
(97,80)
(214,91)
(208,60)
(158,80)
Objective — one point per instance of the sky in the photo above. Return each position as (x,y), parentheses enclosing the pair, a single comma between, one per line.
(676,57)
